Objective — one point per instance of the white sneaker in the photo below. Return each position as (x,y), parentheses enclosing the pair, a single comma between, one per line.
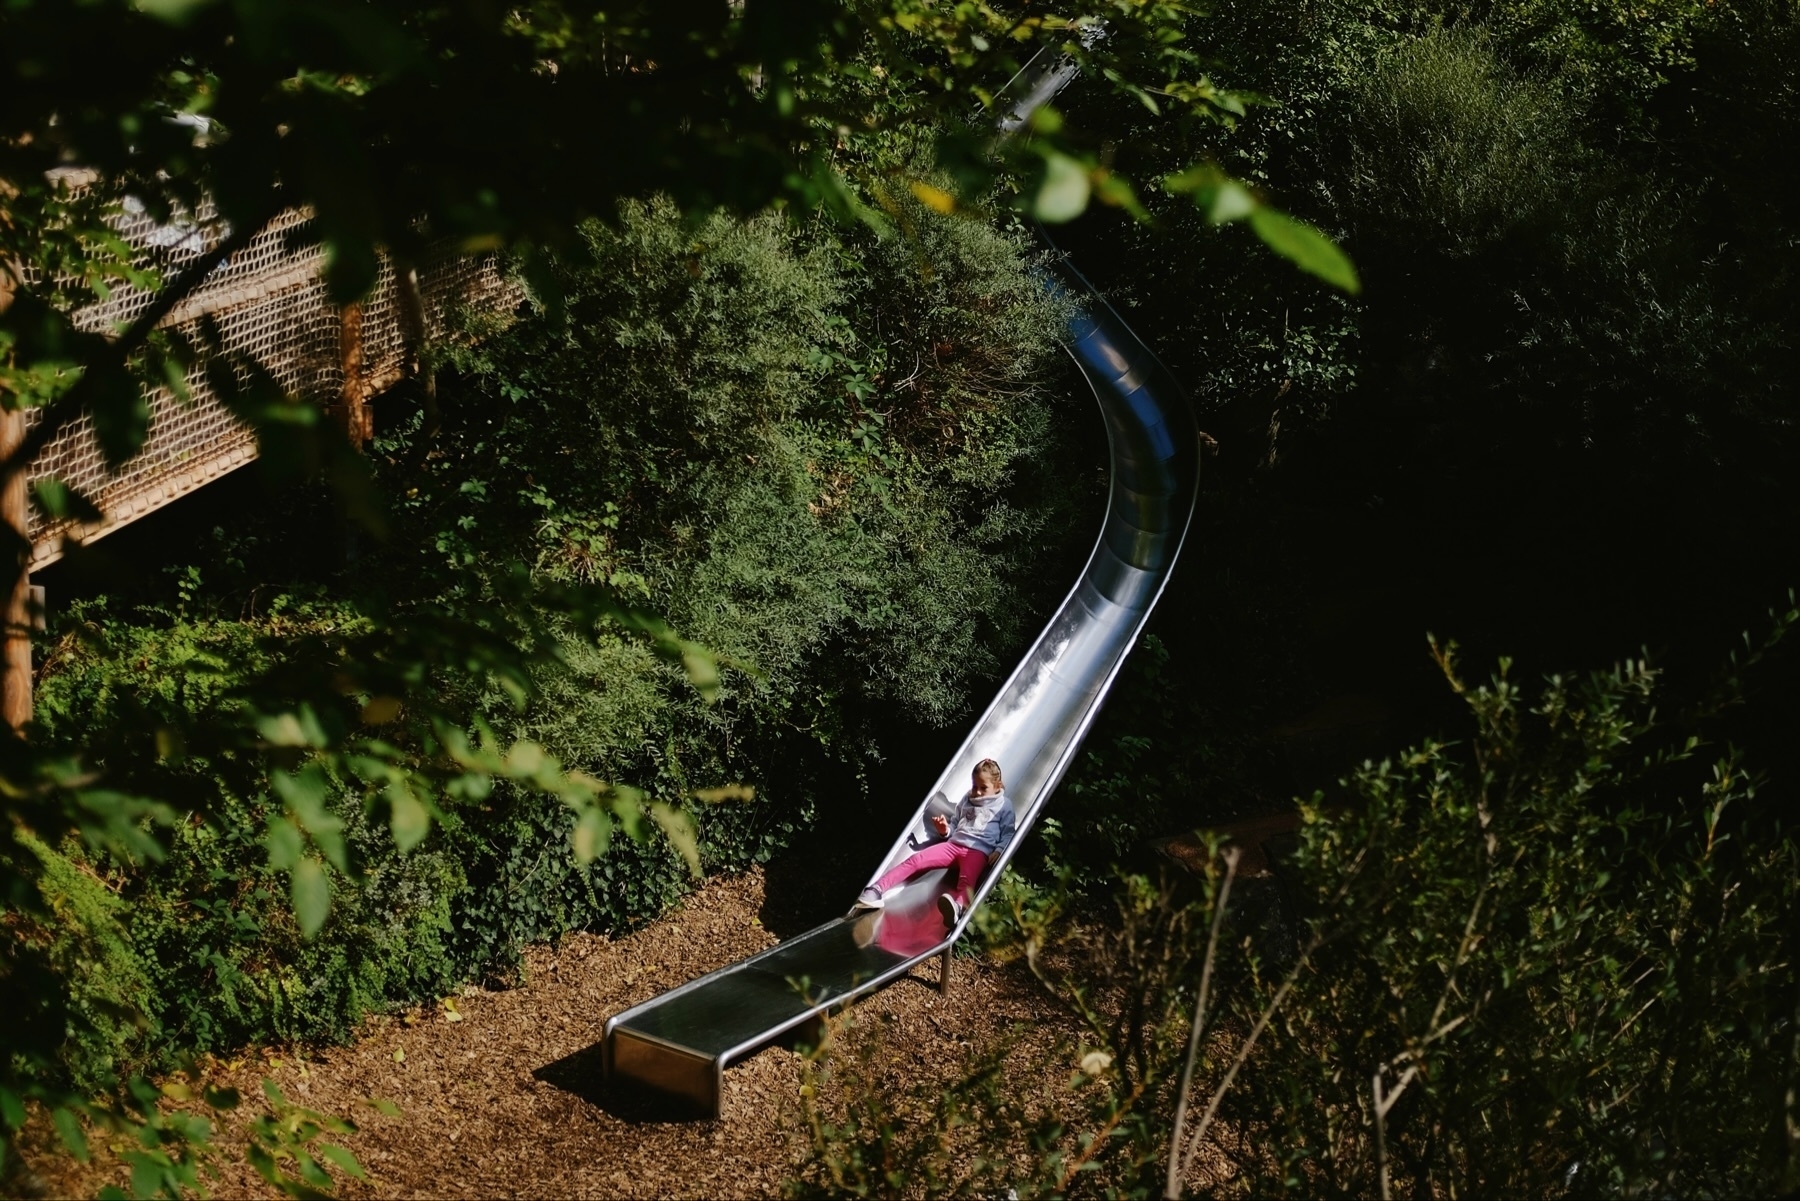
(952,910)
(869,898)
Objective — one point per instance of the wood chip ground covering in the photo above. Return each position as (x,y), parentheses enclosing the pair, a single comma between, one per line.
(501,1094)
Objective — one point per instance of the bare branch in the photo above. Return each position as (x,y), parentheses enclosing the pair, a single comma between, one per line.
(1243,1055)
(1172,1186)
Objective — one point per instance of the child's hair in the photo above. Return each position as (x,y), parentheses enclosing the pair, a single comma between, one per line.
(989,771)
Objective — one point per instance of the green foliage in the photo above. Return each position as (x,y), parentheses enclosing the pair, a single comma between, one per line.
(174,1147)
(845,422)
(81,940)
(838,464)
(1453,148)
(289,1150)
(1558,956)
(170,1152)
(523,886)
(820,453)
(844,470)
(280,105)
(278,747)
(1224,200)
(1561,954)
(1494,172)
(1572,339)
(175,1155)
(230,959)
(1613,55)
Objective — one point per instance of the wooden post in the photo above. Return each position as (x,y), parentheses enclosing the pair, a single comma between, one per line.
(944,970)
(15,622)
(353,401)
(15,637)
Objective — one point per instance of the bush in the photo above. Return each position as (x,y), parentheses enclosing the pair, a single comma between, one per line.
(1444,145)
(1560,957)
(820,453)
(1557,958)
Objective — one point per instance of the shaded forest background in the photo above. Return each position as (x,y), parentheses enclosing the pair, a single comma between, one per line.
(1556,426)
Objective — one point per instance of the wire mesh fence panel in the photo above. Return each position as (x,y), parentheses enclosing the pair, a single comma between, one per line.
(267,303)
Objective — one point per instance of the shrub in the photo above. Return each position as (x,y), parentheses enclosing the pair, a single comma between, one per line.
(1444,143)
(817,453)
(1557,958)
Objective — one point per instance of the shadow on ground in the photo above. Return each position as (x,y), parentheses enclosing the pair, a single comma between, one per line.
(583,1074)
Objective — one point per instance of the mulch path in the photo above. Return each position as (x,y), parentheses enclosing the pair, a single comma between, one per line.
(501,1095)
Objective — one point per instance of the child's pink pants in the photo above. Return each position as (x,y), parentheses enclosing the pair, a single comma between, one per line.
(965,863)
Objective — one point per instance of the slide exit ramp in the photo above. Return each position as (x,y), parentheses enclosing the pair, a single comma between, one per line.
(679,1043)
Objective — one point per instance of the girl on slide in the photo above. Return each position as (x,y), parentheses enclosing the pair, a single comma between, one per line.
(973,834)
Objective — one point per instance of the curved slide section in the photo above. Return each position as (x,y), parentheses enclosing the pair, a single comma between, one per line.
(679,1044)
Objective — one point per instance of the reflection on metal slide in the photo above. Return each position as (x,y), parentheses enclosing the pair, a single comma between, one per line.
(679,1044)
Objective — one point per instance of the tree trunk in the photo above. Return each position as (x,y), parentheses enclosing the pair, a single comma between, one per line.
(353,402)
(15,662)
(15,623)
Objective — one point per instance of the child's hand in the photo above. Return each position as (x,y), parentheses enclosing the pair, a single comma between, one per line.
(942,823)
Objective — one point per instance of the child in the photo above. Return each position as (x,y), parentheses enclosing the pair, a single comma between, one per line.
(973,835)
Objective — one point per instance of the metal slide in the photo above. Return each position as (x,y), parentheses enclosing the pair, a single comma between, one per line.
(679,1044)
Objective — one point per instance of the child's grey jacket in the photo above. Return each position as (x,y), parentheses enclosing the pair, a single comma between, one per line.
(983,825)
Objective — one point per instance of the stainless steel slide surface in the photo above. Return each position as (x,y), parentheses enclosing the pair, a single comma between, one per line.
(680,1043)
